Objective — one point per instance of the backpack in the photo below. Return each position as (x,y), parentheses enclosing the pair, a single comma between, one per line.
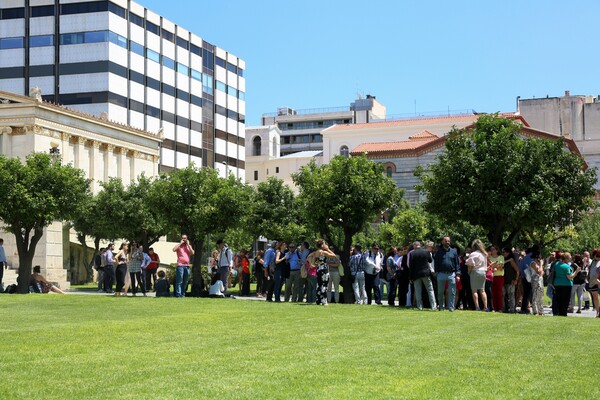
(11,289)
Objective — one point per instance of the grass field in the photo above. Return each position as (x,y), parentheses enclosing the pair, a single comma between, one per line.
(85,347)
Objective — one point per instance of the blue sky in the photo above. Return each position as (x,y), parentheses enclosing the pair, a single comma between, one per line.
(437,55)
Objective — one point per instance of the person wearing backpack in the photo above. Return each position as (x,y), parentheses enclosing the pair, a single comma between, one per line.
(373,260)
(224,262)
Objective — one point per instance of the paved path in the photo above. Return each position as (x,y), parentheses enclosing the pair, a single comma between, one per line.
(547,310)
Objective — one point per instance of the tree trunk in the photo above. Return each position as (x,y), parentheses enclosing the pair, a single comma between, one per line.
(87,265)
(26,251)
(345,258)
(197,279)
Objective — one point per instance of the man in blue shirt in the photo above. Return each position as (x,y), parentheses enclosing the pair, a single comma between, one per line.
(269,266)
(293,283)
(447,269)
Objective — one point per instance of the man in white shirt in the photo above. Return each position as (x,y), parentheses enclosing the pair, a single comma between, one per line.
(373,259)
(224,262)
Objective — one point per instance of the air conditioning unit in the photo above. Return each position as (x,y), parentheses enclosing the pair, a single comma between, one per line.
(285,111)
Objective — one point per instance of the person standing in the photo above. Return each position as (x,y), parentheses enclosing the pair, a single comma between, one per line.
(419,261)
(151,269)
(184,251)
(245,266)
(525,262)
(99,265)
(373,260)
(319,259)
(122,258)
(2,263)
(225,262)
(109,268)
(593,280)
(357,270)
(135,268)
(280,270)
(511,278)
(477,266)
(537,286)
(304,281)
(258,271)
(563,282)
(269,267)
(447,270)
(497,270)
(391,266)
(334,263)
(293,283)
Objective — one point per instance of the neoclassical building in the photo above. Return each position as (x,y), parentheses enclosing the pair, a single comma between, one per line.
(101,148)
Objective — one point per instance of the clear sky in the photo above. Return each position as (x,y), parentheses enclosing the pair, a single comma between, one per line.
(423,54)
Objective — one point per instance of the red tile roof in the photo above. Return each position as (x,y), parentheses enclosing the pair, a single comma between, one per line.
(425,135)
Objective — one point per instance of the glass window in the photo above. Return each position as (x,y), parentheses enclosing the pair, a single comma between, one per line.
(95,37)
(220,62)
(208,59)
(232,91)
(388,172)
(255,175)
(231,68)
(221,86)
(182,43)
(11,43)
(167,35)
(12,13)
(197,75)
(256,145)
(207,84)
(344,152)
(150,27)
(167,89)
(136,48)
(117,39)
(117,10)
(71,38)
(182,69)
(153,83)
(241,95)
(81,8)
(152,55)
(42,11)
(136,19)
(41,41)
(240,72)
(232,114)
(221,110)
(167,62)
(196,50)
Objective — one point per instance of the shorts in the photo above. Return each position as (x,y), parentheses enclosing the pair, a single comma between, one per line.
(477,280)
(593,288)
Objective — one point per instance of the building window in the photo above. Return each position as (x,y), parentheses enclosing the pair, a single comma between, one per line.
(41,41)
(275,148)
(256,145)
(11,43)
(255,175)
(388,172)
(276,170)
(344,152)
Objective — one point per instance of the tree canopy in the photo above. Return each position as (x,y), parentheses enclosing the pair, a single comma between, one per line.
(492,176)
(35,194)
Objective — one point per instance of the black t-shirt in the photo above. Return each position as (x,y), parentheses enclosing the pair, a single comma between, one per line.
(509,272)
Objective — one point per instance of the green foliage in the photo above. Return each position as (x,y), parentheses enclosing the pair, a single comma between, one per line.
(583,236)
(85,340)
(35,194)
(493,177)
(274,212)
(197,202)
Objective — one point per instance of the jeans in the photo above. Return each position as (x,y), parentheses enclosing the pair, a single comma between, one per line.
(509,298)
(384,285)
(224,273)
(392,289)
(100,279)
(311,289)
(182,274)
(426,282)
(134,284)
(109,278)
(442,278)
(334,284)
(150,278)
(360,294)
(579,290)
(372,286)
(279,281)
(526,296)
(292,286)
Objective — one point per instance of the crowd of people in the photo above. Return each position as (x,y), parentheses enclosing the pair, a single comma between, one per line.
(420,275)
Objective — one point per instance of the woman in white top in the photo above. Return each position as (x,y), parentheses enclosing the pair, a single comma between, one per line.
(216,287)
(477,267)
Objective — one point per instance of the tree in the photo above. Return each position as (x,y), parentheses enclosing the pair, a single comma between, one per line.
(346,193)
(492,176)
(35,194)
(197,202)
(274,213)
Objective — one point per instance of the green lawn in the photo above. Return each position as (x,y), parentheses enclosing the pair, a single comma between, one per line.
(85,347)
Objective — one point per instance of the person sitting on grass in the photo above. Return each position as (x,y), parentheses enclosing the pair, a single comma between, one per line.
(216,287)
(38,281)
(162,287)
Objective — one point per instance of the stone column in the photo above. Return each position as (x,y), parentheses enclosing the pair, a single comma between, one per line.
(133,163)
(121,160)
(80,154)
(65,148)
(110,167)
(5,149)
(94,166)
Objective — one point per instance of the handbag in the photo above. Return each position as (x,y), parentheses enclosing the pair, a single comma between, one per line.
(341,270)
(303,272)
(586,295)
(528,272)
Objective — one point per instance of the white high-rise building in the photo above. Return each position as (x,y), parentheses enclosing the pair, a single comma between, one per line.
(119,58)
